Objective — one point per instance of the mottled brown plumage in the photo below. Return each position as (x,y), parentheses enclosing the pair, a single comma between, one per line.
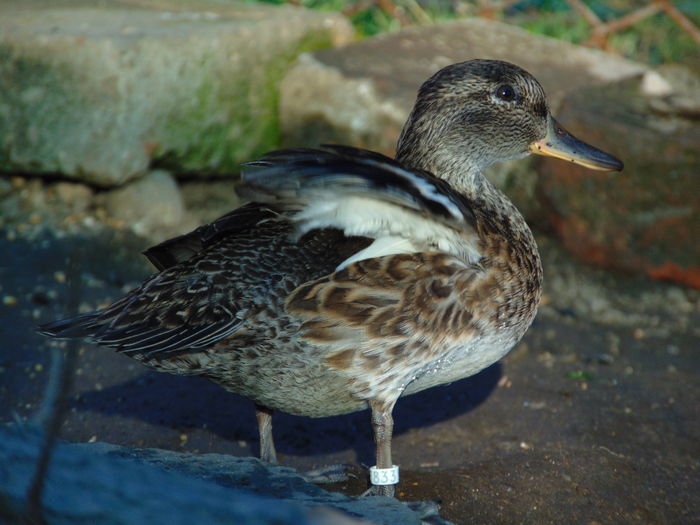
(353,279)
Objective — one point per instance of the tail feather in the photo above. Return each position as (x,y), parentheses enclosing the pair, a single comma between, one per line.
(80,326)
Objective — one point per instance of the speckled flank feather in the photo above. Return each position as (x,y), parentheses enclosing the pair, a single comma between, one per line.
(204,298)
(353,278)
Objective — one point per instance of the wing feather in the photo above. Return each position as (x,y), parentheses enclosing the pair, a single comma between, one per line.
(366,194)
(214,277)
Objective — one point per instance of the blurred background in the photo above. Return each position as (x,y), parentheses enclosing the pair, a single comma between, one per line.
(650,32)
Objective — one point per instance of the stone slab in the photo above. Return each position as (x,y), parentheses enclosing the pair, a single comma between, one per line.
(102,92)
(134,486)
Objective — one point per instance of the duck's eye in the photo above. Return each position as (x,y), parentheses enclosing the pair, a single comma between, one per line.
(506,92)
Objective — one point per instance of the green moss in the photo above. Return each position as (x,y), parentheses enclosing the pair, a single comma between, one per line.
(36,107)
(580,375)
(248,125)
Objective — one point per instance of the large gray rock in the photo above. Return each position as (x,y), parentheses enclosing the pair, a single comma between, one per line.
(135,486)
(361,94)
(99,93)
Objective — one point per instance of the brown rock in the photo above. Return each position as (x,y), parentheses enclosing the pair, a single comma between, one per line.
(646,219)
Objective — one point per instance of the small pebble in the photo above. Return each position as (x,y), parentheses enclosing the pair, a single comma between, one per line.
(601,359)
(613,343)
(504,382)
(9,300)
(546,358)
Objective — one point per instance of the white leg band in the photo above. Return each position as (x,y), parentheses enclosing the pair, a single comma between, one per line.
(384,476)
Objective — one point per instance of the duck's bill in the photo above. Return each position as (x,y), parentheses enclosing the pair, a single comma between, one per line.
(561,144)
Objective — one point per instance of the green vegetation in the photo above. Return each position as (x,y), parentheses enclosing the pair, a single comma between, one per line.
(580,375)
(654,40)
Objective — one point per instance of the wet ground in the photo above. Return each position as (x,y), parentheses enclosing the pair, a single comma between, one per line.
(594,418)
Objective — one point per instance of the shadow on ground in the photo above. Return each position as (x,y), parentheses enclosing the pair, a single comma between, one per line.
(186,402)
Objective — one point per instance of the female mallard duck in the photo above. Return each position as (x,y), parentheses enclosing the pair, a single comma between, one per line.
(352,279)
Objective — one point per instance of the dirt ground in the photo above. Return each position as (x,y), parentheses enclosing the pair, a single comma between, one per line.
(592,419)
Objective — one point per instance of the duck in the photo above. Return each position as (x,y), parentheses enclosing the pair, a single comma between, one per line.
(350,278)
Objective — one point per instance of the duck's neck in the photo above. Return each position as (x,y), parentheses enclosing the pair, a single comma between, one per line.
(459,162)
(503,233)
(496,213)
(464,175)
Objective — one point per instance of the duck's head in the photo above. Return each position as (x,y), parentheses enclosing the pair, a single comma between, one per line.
(472,114)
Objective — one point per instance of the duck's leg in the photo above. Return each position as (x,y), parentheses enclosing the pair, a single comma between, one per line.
(267,444)
(329,474)
(384,475)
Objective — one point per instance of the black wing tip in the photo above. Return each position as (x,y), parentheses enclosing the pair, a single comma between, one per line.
(159,257)
(326,152)
(71,327)
(53,328)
